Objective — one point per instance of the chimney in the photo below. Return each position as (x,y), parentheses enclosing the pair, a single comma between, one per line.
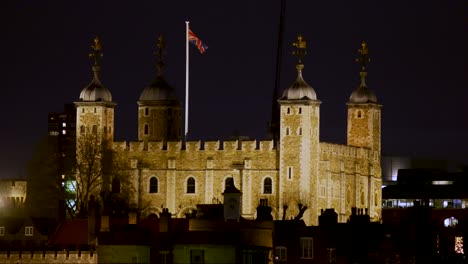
(232,201)
(264,211)
(328,217)
(164,220)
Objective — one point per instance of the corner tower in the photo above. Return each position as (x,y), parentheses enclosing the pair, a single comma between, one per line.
(95,108)
(364,111)
(299,144)
(159,111)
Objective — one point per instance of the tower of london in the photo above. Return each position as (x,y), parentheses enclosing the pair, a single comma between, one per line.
(291,171)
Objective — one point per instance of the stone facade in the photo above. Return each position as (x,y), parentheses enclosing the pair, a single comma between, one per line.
(298,169)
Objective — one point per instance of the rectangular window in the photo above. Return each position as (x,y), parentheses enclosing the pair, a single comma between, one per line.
(281,254)
(134,260)
(2,230)
(306,248)
(164,257)
(64,124)
(331,255)
(459,245)
(197,257)
(290,173)
(28,231)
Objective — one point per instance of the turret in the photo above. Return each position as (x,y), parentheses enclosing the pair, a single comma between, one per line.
(364,111)
(159,111)
(299,141)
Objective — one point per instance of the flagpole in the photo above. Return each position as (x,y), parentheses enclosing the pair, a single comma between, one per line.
(186,76)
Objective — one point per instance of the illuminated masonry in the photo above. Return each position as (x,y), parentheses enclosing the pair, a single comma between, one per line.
(298,169)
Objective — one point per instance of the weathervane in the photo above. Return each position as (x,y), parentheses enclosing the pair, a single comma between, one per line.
(301,46)
(363,59)
(96,51)
(160,54)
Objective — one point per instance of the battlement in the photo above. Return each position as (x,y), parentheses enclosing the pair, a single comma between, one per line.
(75,257)
(344,150)
(193,146)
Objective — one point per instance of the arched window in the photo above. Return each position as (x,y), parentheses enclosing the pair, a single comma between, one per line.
(267,186)
(191,185)
(146,129)
(94,129)
(115,185)
(450,222)
(153,187)
(82,129)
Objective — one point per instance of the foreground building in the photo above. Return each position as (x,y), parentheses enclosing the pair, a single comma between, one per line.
(167,172)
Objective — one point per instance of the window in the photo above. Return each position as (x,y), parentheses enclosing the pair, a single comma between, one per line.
(306,248)
(289,111)
(134,260)
(82,129)
(2,230)
(287,131)
(281,254)
(64,132)
(290,173)
(197,257)
(450,222)
(300,131)
(331,255)
(164,257)
(146,111)
(153,188)
(28,231)
(64,124)
(94,109)
(191,185)
(359,114)
(459,245)
(94,129)
(300,110)
(146,129)
(82,110)
(116,185)
(267,186)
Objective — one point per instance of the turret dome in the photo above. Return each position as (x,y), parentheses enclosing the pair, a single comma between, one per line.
(95,91)
(299,90)
(158,90)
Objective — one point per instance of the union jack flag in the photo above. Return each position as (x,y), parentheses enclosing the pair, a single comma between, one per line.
(196,41)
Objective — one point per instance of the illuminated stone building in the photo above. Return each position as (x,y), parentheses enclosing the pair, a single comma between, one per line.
(298,169)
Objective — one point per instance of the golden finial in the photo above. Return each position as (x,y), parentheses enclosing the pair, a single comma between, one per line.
(301,46)
(160,54)
(363,59)
(96,51)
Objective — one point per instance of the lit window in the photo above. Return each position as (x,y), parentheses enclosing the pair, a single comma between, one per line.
(197,257)
(28,231)
(459,245)
(442,182)
(2,230)
(191,185)
(450,222)
(281,254)
(306,247)
(153,185)
(64,132)
(64,124)
(267,186)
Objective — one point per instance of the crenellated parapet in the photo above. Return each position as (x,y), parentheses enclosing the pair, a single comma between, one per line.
(345,151)
(196,146)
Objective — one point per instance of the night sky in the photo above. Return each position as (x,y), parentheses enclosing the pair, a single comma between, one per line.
(418,69)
